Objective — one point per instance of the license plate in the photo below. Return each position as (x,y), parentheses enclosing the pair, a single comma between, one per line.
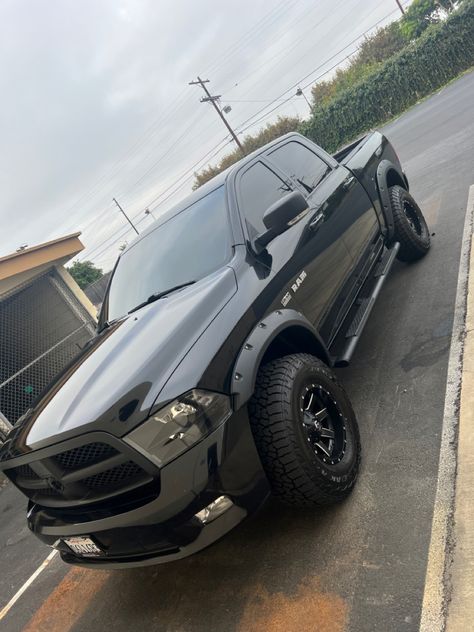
(84,546)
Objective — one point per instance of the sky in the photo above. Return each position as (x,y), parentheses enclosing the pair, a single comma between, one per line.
(96,103)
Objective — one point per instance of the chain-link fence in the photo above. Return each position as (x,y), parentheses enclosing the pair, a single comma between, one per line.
(5,428)
(43,326)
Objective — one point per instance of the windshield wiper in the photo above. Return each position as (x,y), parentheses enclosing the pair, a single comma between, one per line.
(158,295)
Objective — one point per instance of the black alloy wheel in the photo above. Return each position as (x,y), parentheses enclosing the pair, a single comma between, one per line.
(305,431)
(323,423)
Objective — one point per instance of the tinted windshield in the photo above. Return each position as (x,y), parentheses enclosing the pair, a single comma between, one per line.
(186,247)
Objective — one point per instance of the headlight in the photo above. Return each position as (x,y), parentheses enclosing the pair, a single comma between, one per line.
(180,425)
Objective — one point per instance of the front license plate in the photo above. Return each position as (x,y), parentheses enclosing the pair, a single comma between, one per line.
(84,546)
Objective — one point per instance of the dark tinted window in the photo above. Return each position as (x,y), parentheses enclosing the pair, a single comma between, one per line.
(259,189)
(186,247)
(300,163)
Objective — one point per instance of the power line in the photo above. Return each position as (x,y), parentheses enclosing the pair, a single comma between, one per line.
(190,170)
(173,146)
(177,103)
(254,122)
(88,255)
(206,156)
(267,114)
(292,87)
(286,50)
(132,150)
(275,13)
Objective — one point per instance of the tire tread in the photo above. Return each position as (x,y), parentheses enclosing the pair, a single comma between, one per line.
(291,478)
(412,246)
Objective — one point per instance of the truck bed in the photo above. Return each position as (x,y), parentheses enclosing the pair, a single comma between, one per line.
(345,153)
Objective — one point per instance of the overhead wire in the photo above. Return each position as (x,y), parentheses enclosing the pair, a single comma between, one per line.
(287,49)
(152,129)
(207,156)
(297,83)
(245,124)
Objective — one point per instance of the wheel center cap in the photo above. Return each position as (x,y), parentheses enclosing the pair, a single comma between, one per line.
(311,420)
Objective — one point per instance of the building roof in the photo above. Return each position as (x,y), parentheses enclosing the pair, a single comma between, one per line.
(20,266)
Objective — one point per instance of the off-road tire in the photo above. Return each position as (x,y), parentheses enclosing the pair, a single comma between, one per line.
(296,475)
(410,226)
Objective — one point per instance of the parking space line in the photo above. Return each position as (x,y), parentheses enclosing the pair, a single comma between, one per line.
(6,609)
(435,591)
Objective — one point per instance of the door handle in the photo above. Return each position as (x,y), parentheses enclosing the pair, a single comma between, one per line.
(316,221)
(349,182)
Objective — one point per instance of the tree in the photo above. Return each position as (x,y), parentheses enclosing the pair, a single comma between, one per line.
(85,273)
(384,43)
(421,14)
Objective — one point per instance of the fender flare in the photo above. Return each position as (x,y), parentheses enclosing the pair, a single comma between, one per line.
(248,361)
(383,168)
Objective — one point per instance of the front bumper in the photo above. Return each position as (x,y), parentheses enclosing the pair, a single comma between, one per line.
(166,528)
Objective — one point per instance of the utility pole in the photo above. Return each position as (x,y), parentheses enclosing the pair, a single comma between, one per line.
(400,7)
(212,99)
(126,216)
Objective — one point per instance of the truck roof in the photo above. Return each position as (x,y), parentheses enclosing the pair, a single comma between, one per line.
(215,182)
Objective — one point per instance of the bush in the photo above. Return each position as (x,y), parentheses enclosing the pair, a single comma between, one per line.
(442,52)
(386,77)
(374,50)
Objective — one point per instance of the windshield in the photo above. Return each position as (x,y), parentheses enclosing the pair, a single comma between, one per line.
(186,247)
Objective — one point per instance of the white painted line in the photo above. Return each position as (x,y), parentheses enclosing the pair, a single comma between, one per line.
(434,599)
(6,609)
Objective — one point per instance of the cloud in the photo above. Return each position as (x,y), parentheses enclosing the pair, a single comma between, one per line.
(94,93)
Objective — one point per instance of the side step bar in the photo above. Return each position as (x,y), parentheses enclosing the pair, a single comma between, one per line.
(355,329)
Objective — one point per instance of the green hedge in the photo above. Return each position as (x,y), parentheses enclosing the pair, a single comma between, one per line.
(425,65)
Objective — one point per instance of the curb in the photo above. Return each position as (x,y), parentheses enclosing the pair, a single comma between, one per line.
(438,587)
(461,607)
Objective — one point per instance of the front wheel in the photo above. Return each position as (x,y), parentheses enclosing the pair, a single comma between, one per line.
(410,226)
(305,431)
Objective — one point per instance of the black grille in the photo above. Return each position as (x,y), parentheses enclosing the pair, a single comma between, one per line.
(47,491)
(128,472)
(106,472)
(25,471)
(85,455)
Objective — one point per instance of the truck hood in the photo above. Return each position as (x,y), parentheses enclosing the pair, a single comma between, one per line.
(112,385)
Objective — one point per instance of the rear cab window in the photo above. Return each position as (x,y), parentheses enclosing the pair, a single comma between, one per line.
(303,165)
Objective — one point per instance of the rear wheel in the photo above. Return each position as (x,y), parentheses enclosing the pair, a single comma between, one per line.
(305,431)
(411,229)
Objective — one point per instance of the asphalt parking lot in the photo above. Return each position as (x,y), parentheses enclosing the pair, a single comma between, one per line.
(359,566)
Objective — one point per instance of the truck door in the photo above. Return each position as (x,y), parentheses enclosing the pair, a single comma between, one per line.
(310,260)
(339,226)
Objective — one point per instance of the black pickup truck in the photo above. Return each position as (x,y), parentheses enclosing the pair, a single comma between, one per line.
(209,384)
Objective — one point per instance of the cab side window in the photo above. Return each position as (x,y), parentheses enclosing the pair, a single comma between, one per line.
(299,162)
(259,188)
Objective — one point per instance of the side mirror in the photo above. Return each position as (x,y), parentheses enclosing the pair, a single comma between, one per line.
(277,218)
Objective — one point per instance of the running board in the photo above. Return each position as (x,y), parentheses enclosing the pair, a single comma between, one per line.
(357,325)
